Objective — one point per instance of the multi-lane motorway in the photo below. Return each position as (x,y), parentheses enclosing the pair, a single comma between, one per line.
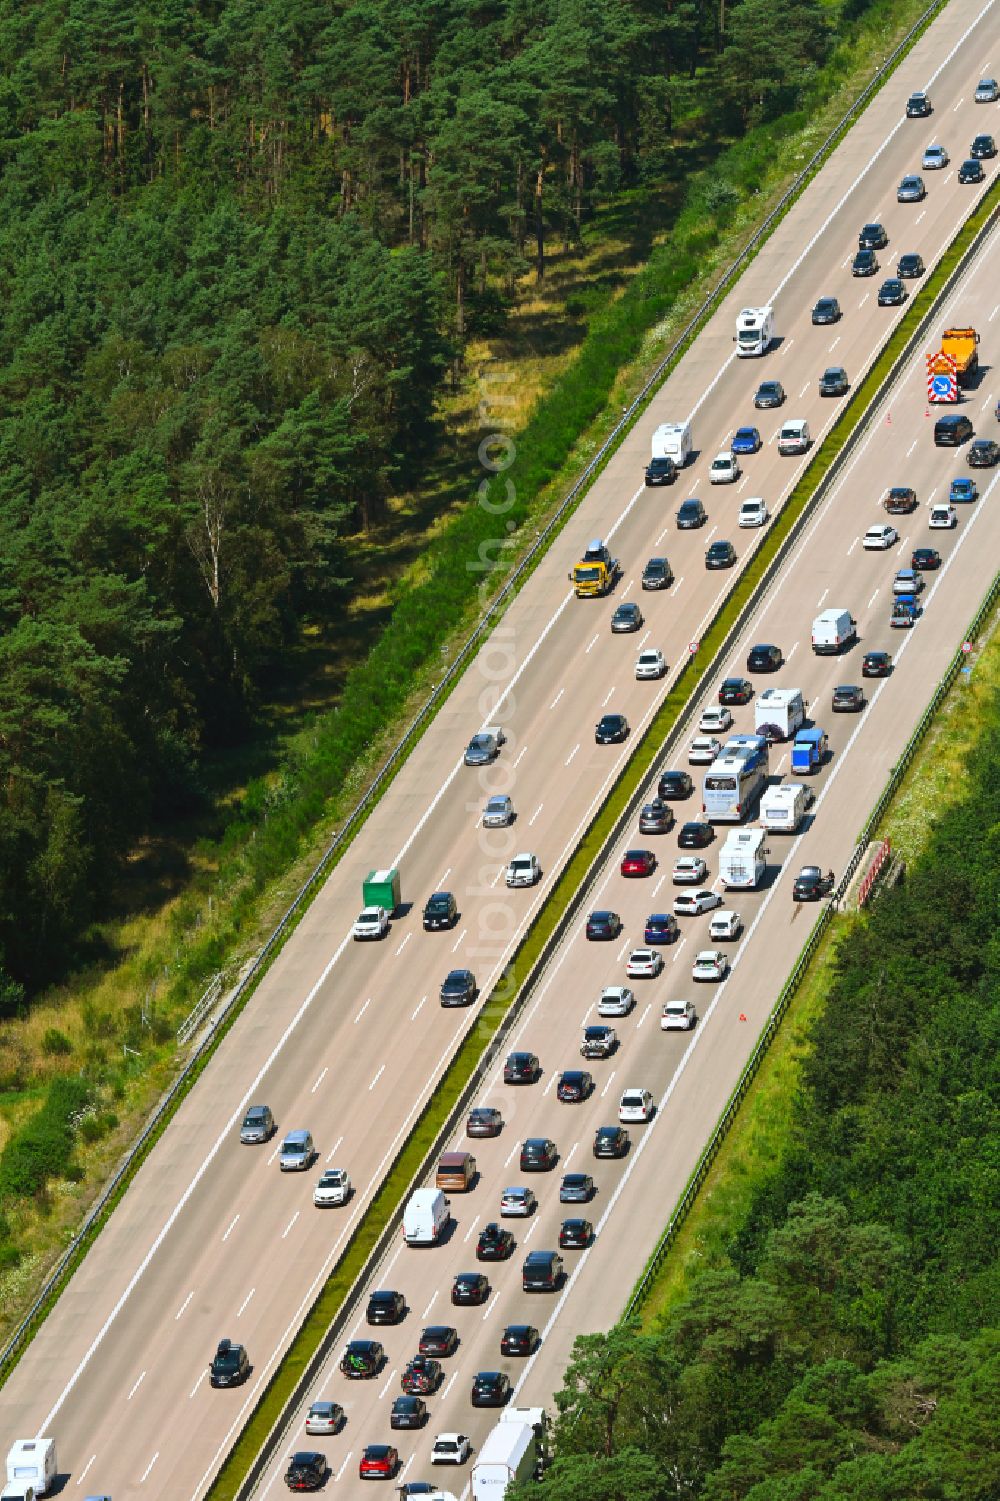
(347,1040)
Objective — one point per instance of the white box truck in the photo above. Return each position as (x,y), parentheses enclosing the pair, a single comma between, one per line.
(783,808)
(425,1217)
(754,331)
(782,707)
(743,859)
(672,440)
(832,631)
(509,1456)
(31,1466)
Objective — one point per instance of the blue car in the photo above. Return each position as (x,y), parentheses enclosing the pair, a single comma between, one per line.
(661,927)
(745,440)
(963,490)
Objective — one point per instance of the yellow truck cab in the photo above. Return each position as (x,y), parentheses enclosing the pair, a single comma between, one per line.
(596,572)
(961,344)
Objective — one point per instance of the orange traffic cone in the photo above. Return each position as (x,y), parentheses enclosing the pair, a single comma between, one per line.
(743,1016)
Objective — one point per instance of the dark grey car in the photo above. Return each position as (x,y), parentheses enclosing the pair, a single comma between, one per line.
(690,514)
(458,988)
(833,381)
(656,818)
(657,574)
(484,747)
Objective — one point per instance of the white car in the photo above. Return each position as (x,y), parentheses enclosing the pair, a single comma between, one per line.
(334,1187)
(908,581)
(934,157)
(678,1016)
(753,512)
(878,538)
(694,903)
(517,1203)
(689,870)
(372,923)
(703,750)
(644,964)
(715,718)
(450,1449)
(943,518)
(636,1105)
(710,964)
(523,870)
(725,469)
(499,812)
(725,925)
(650,664)
(616,1000)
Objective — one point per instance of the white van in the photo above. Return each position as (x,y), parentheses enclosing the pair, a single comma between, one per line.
(794,437)
(832,631)
(754,331)
(31,1465)
(783,808)
(672,440)
(426,1214)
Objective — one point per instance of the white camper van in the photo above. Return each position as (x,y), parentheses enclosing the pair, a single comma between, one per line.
(783,808)
(754,331)
(31,1466)
(426,1214)
(743,859)
(672,440)
(782,707)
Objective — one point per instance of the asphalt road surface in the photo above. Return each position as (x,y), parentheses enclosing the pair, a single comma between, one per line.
(348,1039)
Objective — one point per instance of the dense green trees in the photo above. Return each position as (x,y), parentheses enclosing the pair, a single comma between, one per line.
(849,1349)
(240,246)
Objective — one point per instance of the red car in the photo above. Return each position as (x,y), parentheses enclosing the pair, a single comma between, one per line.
(378,1462)
(638,863)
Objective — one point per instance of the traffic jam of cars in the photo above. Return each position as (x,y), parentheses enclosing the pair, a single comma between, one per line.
(705,872)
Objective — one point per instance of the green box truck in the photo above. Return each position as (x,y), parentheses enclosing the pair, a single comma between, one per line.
(381,889)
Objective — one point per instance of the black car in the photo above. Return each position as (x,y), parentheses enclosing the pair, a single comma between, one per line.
(421,1376)
(848,699)
(952,431)
(576,1188)
(735,691)
(656,817)
(770,393)
(440,911)
(490,1389)
(720,555)
(485,1120)
(661,927)
(917,106)
(892,293)
(438,1339)
(495,1243)
(611,729)
(538,1154)
(691,513)
(385,1308)
(983,147)
(408,1412)
(675,785)
(458,988)
(661,472)
(362,1359)
(827,310)
(603,925)
(971,171)
(611,1141)
(983,454)
(695,835)
(575,1235)
(833,381)
(542,1272)
(522,1068)
(470,1288)
(575,1084)
(811,885)
(306,1470)
(873,237)
(900,500)
(657,574)
(230,1364)
(865,263)
(519,1339)
(910,265)
(599,1041)
(925,559)
(876,664)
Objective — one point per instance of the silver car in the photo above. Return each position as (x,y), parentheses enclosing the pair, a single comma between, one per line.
(324,1417)
(987,91)
(911,190)
(498,813)
(258,1126)
(517,1203)
(934,158)
(297,1152)
(484,747)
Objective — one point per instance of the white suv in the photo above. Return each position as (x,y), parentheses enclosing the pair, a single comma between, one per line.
(725,469)
(753,512)
(636,1105)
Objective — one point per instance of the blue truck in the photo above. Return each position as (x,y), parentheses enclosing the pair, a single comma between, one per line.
(809,751)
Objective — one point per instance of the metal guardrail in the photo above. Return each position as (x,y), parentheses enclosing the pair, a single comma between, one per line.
(805,958)
(200,1010)
(441,691)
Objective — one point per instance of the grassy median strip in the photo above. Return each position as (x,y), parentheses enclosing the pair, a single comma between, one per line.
(530,951)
